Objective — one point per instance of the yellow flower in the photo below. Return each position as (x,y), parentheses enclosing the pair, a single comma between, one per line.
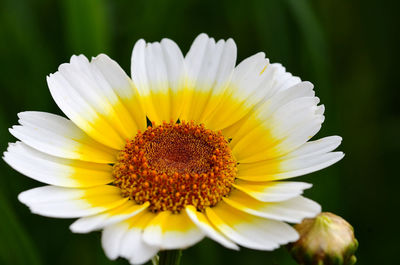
(187,147)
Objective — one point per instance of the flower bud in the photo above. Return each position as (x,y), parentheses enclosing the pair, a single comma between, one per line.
(324,240)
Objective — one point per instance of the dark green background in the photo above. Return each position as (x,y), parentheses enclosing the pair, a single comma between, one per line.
(348,49)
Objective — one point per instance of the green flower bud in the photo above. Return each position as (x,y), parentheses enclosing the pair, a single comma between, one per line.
(324,240)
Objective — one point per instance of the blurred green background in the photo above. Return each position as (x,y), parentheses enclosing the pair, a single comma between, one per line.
(348,49)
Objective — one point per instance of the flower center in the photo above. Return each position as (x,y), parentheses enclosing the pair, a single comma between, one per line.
(174,165)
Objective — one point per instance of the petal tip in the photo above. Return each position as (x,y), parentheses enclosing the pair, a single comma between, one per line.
(23,197)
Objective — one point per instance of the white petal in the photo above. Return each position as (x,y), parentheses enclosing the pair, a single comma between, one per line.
(294,114)
(300,90)
(252,79)
(245,90)
(268,105)
(250,231)
(272,191)
(158,72)
(279,132)
(172,231)
(284,80)
(135,249)
(60,202)
(56,171)
(123,88)
(304,165)
(202,222)
(287,167)
(99,221)
(320,146)
(58,136)
(209,68)
(293,210)
(111,239)
(125,239)
(86,96)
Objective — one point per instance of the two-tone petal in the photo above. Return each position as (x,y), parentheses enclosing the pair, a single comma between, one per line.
(172,231)
(88,93)
(157,71)
(248,230)
(58,136)
(54,170)
(310,157)
(62,202)
(209,67)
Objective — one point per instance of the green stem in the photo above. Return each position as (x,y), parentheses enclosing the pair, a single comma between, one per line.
(169,257)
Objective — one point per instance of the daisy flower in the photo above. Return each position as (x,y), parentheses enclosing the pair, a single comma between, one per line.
(189,146)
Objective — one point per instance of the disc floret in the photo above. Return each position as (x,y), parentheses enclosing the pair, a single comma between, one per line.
(173,165)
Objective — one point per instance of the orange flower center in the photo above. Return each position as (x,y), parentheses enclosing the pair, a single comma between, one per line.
(174,165)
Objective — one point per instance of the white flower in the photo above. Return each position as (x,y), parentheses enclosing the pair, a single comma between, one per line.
(218,172)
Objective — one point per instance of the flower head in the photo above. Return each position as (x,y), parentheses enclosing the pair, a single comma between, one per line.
(326,239)
(187,147)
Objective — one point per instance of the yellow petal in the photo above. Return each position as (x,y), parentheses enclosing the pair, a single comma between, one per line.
(243,144)
(105,196)
(172,231)
(141,220)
